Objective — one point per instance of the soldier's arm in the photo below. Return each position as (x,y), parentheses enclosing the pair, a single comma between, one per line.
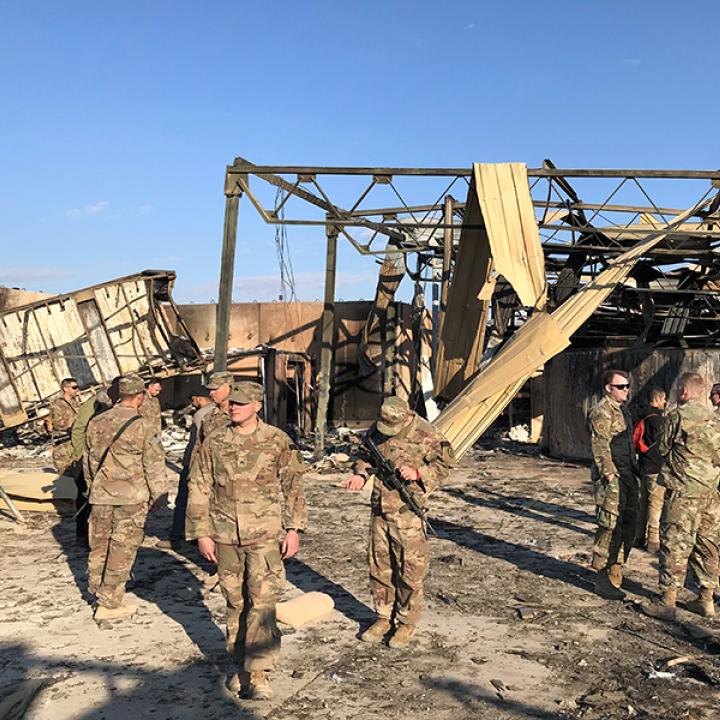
(79,428)
(291,469)
(668,433)
(439,458)
(153,461)
(600,437)
(197,517)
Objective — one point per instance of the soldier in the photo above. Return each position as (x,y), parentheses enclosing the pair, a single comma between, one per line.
(690,524)
(245,491)
(150,408)
(615,484)
(219,385)
(63,412)
(715,397)
(124,469)
(91,407)
(652,494)
(398,550)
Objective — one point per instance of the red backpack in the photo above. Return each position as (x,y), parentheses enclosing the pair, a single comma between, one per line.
(639,436)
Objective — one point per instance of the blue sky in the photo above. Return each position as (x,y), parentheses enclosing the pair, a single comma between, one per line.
(117,121)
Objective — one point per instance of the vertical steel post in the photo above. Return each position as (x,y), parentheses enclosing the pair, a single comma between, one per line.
(227,271)
(327,354)
(447,261)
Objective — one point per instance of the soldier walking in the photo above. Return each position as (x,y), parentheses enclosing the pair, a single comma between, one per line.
(246,509)
(125,470)
(615,480)
(398,551)
(690,524)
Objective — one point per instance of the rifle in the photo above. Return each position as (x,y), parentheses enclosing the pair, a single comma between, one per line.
(390,477)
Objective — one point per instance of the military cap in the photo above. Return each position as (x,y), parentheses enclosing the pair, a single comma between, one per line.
(217,379)
(131,384)
(246,392)
(392,415)
(202,391)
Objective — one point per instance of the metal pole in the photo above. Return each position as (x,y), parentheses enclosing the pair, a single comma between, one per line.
(327,354)
(227,270)
(446,263)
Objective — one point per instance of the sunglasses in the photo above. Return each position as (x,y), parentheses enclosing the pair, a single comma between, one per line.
(620,386)
(73,387)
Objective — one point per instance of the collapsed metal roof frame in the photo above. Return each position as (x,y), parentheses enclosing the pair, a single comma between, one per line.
(569,236)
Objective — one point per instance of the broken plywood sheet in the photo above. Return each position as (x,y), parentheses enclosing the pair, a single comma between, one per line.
(542,337)
(507,210)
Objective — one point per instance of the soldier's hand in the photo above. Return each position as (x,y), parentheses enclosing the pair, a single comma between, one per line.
(610,478)
(291,544)
(409,474)
(355,482)
(206,546)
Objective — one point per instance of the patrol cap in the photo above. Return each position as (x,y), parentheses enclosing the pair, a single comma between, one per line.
(219,378)
(202,391)
(392,414)
(246,392)
(131,385)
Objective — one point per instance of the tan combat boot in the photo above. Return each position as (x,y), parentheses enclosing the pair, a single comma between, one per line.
(703,604)
(652,546)
(598,562)
(605,588)
(118,613)
(259,686)
(402,636)
(615,574)
(377,631)
(664,607)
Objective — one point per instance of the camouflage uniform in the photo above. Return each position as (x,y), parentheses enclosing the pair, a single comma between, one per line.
(131,476)
(244,491)
(398,549)
(150,410)
(62,416)
(617,500)
(690,523)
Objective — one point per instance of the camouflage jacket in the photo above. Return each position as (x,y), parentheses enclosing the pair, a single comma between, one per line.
(150,410)
(133,471)
(690,446)
(245,489)
(418,445)
(611,440)
(62,416)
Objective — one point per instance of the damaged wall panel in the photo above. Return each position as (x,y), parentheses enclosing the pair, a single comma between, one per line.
(126,325)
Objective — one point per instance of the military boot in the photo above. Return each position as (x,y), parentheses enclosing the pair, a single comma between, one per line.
(232,678)
(664,607)
(615,574)
(259,686)
(402,636)
(652,546)
(703,604)
(605,588)
(118,613)
(598,562)
(377,631)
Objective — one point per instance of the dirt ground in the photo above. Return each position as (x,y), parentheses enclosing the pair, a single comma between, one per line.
(511,629)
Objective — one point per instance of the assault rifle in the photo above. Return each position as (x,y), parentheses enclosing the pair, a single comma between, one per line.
(391,478)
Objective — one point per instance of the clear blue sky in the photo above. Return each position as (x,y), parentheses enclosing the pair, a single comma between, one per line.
(117,121)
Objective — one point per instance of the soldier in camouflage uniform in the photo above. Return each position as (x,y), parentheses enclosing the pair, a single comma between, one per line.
(398,549)
(125,470)
(246,509)
(150,408)
(690,525)
(63,412)
(616,485)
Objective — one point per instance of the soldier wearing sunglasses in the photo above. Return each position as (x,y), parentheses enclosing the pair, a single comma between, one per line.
(615,479)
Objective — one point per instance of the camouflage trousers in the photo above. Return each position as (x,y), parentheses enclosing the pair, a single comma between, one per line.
(689,532)
(249,578)
(398,558)
(63,460)
(116,532)
(617,508)
(652,496)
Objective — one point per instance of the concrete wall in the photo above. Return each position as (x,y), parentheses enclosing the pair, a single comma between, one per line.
(573,385)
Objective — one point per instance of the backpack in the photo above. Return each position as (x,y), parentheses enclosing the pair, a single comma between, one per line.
(639,436)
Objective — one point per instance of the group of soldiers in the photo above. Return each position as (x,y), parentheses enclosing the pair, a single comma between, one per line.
(655,483)
(241,499)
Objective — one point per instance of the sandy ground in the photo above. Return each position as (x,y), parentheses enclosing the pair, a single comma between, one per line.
(512,628)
